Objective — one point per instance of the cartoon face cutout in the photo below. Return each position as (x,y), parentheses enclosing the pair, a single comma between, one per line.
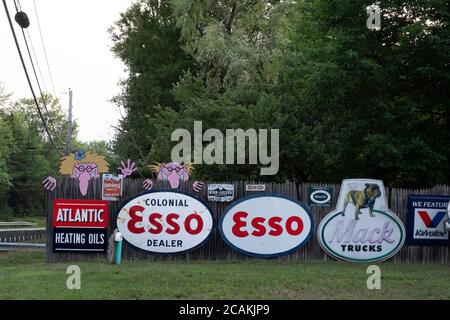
(84,172)
(83,167)
(173,173)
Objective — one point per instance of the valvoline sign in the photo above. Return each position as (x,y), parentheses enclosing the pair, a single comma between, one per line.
(165,222)
(266,225)
(426,220)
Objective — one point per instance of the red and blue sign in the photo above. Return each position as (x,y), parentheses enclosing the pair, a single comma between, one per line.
(426,220)
(80,225)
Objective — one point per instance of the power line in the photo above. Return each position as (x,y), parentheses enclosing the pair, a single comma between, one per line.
(37,79)
(28,78)
(43,46)
(37,61)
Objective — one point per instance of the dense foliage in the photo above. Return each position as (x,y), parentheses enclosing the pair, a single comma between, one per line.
(349,101)
(26,155)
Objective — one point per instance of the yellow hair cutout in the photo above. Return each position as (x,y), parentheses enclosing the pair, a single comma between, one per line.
(156,168)
(68,162)
(189,168)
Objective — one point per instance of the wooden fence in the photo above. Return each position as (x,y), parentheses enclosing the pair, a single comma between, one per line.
(215,248)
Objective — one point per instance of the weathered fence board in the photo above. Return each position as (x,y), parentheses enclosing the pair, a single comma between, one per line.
(215,248)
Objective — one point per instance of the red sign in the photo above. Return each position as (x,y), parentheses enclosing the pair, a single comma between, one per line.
(80,213)
(111,187)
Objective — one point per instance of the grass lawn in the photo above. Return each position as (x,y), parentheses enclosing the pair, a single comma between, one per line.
(24,275)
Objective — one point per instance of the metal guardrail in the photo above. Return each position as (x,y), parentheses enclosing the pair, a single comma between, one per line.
(6,246)
(22,235)
(21,229)
(17,224)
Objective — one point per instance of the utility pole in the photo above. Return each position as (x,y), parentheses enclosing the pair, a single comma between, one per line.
(69,124)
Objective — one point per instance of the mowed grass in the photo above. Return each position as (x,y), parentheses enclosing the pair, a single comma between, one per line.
(24,275)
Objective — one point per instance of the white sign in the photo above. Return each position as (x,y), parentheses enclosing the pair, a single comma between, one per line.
(221,192)
(255,187)
(165,222)
(266,225)
(361,228)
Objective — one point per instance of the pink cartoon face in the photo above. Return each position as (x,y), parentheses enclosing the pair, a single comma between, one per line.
(173,172)
(84,172)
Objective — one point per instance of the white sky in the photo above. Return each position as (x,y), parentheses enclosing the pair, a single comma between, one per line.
(78,50)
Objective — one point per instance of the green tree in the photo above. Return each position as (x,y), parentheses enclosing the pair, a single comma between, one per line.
(32,156)
(230,46)
(56,122)
(28,165)
(5,176)
(146,39)
(366,103)
(348,101)
(5,144)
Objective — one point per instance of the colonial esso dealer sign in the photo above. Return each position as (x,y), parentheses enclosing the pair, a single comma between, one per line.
(266,225)
(361,228)
(165,222)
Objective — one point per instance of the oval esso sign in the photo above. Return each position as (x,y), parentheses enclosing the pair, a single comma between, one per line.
(165,222)
(266,225)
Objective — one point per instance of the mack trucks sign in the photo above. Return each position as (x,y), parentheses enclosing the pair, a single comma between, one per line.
(266,225)
(165,222)
(361,228)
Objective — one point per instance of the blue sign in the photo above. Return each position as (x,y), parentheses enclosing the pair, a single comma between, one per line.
(426,220)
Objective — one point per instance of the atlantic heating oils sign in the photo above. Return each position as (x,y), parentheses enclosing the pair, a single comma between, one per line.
(165,222)
(361,228)
(80,225)
(266,225)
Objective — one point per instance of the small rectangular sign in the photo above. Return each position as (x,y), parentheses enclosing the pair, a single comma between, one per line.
(112,187)
(426,220)
(320,196)
(80,213)
(255,187)
(221,192)
(79,239)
